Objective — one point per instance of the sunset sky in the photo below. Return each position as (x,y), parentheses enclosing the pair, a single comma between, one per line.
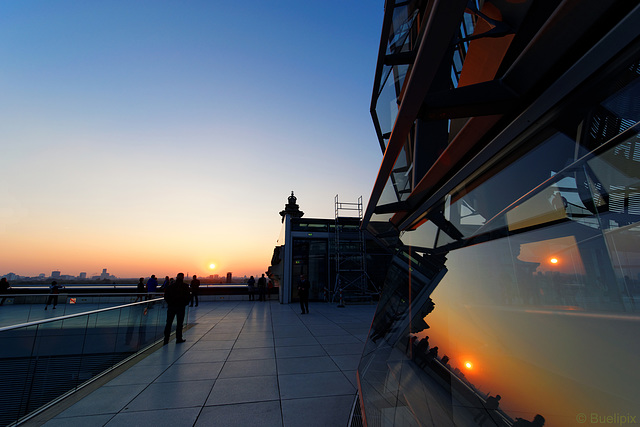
(151,137)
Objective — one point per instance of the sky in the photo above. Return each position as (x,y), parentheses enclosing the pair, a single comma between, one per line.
(152,137)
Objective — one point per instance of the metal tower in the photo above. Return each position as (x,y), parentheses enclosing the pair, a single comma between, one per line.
(349,248)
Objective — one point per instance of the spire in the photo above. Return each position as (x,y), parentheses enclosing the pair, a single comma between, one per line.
(291,208)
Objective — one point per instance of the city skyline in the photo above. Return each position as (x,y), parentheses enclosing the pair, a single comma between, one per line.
(164,137)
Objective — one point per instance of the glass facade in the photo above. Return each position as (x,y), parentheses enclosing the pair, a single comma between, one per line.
(513,297)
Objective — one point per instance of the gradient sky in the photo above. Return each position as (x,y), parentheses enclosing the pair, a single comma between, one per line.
(151,137)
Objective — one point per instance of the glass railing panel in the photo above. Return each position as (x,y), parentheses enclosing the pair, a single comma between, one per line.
(40,361)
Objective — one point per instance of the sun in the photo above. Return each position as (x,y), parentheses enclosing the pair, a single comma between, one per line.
(212,266)
(468,365)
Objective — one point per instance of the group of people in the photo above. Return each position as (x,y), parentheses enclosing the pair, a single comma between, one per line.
(264,288)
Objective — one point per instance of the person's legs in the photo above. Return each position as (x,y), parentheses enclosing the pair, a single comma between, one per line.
(302,304)
(171,313)
(180,322)
(196,297)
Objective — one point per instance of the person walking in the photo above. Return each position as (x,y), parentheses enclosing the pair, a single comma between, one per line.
(303,293)
(54,290)
(195,289)
(4,289)
(262,286)
(177,297)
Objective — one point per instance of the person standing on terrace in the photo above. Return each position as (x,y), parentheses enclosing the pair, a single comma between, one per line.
(195,289)
(152,286)
(177,296)
(54,290)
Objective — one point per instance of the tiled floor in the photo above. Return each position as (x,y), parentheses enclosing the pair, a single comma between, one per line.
(244,364)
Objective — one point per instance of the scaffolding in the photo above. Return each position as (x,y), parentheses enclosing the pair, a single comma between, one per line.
(352,281)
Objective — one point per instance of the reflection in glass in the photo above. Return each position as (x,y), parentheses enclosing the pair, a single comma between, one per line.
(518,296)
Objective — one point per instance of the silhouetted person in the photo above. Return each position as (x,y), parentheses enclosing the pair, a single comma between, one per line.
(4,289)
(490,405)
(165,283)
(303,293)
(421,352)
(141,290)
(251,288)
(538,421)
(177,296)
(195,290)
(54,290)
(262,286)
(152,286)
(433,353)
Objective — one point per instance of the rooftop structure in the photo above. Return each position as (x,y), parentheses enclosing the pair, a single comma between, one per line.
(510,191)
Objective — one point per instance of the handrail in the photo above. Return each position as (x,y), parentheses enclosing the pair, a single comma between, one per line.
(70,316)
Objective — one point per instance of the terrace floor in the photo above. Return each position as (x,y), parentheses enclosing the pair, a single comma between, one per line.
(244,363)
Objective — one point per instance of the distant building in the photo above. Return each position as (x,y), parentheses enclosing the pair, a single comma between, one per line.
(82,275)
(229,277)
(55,274)
(332,253)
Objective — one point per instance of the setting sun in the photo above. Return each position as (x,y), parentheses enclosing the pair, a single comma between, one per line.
(468,365)
(212,266)
(553,260)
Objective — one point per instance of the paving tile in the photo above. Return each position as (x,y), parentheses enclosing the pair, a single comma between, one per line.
(216,336)
(254,343)
(204,356)
(305,365)
(138,374)
(251,353)
(208,345)
(191,372)
(105,400)
(293,341)
(347,362)
(312,412)
(300,351)
(84,421)
(163,395)
(314,384)
(243,390)
(167,417)
(248,368)
(338,339)
(258,414)
(340,349)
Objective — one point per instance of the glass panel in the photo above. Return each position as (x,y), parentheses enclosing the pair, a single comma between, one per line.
(310,257)
(534,320)
(51,357)
(389,98)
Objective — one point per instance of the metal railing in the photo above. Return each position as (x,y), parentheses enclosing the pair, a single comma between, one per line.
(42,360)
